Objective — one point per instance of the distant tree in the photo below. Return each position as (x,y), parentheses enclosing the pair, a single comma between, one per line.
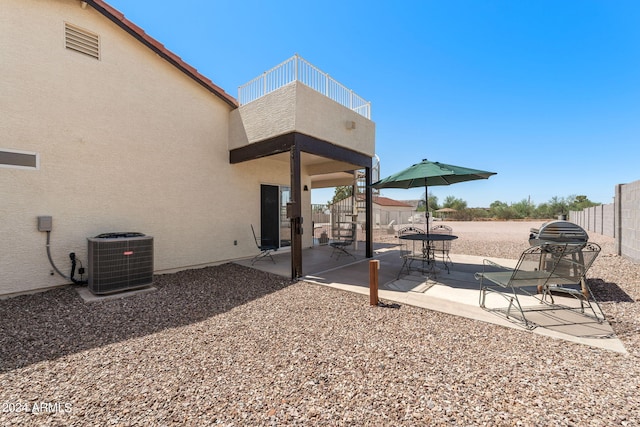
(523,209)
(468,214)
(558,206)
(454,203)
(543,210)
(498,204)
(578,203)
(433,203)
(498,209)
(341,193)
(526,209)
(501,210)
(479,213)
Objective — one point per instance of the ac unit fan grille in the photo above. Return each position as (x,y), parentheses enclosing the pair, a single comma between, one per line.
(120,264)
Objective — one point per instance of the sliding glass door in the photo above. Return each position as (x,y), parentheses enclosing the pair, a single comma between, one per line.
(275,227)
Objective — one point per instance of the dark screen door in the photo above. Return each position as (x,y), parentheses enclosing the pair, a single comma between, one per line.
(270,214)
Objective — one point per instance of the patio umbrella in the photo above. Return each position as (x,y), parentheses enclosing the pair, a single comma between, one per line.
(428,173)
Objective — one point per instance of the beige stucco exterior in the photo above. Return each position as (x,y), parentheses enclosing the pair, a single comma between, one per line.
(127,142)
(298,108)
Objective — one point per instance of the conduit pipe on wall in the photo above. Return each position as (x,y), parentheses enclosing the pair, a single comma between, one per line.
(73,264)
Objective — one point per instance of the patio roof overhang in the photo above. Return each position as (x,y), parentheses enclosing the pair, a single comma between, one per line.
(342,158)
(327,163)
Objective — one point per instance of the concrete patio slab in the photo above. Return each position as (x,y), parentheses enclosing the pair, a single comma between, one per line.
(88,296)
(455,293)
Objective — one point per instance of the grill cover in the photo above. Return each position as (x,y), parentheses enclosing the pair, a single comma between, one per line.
(558,232)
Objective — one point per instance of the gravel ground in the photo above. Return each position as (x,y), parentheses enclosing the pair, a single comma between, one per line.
(233,346)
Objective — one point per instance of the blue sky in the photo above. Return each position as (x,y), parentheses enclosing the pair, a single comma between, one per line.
(545,93)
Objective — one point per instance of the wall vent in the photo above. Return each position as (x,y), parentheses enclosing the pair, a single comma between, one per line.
(81,41)
(119,262)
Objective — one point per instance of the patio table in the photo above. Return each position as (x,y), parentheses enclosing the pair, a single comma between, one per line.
(426,255)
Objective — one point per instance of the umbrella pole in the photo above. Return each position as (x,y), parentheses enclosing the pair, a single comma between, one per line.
(426,210)
(426,216)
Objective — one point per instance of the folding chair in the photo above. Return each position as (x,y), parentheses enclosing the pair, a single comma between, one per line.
(264,246)
(340,246)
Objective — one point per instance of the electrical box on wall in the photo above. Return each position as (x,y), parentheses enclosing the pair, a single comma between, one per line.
(45,223)
(290,209)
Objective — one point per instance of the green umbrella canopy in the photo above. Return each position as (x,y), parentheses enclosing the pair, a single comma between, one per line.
(428,173)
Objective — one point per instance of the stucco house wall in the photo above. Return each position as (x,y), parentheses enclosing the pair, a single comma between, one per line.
(126,142)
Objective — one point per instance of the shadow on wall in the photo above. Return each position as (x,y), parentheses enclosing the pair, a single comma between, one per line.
(52,324)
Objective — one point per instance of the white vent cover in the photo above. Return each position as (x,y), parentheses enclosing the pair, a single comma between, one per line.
(81,41)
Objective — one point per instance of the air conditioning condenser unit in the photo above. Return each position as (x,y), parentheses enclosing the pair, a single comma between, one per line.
(119,262)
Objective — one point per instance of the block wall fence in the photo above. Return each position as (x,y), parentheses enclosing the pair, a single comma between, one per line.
(620,220)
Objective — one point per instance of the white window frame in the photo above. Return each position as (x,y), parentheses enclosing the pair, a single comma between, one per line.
(28,153)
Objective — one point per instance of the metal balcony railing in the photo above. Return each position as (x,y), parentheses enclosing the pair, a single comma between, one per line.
(298,69)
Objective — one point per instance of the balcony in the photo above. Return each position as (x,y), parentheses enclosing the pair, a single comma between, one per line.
(296,97)
(298,69)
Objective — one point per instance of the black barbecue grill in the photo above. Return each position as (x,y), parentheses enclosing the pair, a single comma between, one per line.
(555,237)
(558,232)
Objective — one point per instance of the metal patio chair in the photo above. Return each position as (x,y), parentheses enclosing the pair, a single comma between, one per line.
(442,248)
(345,239)
(569,276)
(541,268)
(265,246)
(509,282)
(408,251)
